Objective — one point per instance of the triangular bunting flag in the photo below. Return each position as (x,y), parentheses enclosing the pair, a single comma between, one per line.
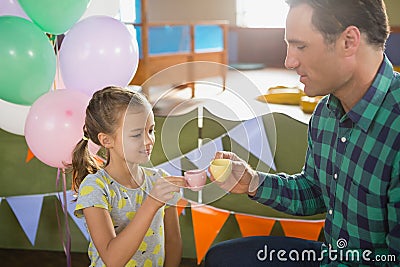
(251,135)
(29,156)
(254,225)
(202,156)
(302,229)
(80,222)
(172,167)
(207,222)
(27,209)
(181,205)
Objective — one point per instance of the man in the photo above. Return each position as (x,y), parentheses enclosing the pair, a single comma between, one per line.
(352,167)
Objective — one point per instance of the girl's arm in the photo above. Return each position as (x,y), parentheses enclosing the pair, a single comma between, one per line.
(173,241)
(117,250)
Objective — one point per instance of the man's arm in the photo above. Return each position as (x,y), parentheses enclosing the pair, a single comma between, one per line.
(393,207)
(298,194)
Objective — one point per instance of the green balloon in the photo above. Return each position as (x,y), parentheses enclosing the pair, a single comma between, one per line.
(27,61)
(55,16)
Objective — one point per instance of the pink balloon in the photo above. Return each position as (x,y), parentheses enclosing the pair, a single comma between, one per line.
(98,51)
(12,8)
(54,126)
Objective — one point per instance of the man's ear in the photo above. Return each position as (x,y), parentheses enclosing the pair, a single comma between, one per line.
(351,38)
(106,140)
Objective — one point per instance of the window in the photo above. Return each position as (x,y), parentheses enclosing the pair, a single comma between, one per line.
(130,11)
(261,13)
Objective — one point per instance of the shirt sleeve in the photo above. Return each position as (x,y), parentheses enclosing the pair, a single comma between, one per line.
(298,194)
(393,207)
(91,193)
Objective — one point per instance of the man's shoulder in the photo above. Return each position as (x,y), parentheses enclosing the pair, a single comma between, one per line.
(395,85)
(393,96)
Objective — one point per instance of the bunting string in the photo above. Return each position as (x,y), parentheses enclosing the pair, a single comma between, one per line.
(29,221)
(207,221)
(251,135)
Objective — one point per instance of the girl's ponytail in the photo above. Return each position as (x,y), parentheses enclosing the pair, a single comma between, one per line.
(83,162)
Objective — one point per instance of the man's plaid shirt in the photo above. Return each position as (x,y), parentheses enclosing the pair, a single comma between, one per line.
(352,170)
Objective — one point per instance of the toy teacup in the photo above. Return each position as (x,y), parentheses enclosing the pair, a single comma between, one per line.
(221,169)
(196,179)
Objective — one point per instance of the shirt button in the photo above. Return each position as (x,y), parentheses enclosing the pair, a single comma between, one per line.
(330,212)
(343,139)
(335,176)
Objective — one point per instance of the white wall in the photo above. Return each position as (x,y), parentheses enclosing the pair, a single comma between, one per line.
(189,10)
(393,10)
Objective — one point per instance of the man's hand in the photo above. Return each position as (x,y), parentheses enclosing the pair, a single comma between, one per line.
(242,180)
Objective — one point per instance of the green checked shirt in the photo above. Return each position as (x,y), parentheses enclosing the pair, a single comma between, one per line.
(352,172)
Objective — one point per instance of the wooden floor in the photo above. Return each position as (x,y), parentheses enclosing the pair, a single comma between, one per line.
(24,258)
(236,102)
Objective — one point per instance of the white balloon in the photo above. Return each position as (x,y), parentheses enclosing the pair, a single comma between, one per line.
(102,7)
(13,117)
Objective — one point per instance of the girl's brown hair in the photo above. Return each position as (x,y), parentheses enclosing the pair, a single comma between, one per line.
(102,116)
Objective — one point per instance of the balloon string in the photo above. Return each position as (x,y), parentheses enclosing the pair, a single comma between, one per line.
(56,205)
(57,78)
(66,244)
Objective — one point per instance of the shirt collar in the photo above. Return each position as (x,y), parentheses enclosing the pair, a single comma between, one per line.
(363,113)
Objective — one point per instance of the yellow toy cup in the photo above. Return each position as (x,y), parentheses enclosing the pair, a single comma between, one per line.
(221,169)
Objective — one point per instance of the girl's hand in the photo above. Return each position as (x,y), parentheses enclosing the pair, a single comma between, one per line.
(165,187)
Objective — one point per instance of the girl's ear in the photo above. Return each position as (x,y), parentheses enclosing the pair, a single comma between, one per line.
(105,140)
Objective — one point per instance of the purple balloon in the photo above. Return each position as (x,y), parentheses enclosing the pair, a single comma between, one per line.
(98,51)
(12,8)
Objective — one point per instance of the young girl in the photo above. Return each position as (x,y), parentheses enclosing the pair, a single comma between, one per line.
(123,203)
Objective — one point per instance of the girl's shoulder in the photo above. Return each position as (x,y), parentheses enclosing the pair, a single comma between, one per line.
(156,172)
(100,178)
(152,174)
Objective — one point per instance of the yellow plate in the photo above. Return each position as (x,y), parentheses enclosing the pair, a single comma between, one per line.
(308,104)
(282,95)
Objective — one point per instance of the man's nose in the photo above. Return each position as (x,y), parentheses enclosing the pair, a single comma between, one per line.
(291,62)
